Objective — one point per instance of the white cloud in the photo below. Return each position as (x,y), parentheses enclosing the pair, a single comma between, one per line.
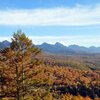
(79,15)
(68,40)
(5,38)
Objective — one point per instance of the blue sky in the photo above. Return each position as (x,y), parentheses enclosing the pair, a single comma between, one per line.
(30,4)
(65,21)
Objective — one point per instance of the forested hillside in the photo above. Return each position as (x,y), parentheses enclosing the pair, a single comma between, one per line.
(26,73)
(79,61)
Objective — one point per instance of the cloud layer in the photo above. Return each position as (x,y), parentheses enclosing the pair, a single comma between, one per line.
(68,40)
(76,16)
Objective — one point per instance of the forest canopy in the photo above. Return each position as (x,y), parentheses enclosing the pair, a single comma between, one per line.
(25,74)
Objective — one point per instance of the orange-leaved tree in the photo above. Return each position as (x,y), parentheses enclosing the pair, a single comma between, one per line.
(16,67)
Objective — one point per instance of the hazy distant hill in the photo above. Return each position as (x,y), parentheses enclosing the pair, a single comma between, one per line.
(83,49)
(59,48)
(4,44)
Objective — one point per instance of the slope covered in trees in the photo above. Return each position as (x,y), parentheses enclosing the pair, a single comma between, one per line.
(57,83)
(82,62)
(23,75)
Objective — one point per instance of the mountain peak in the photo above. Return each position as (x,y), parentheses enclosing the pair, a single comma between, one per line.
(4,44)
(45,43)
(58,44)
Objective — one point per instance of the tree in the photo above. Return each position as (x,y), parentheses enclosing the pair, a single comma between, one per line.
(17,64)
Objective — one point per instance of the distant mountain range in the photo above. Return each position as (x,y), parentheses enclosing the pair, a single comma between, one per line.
(59,48)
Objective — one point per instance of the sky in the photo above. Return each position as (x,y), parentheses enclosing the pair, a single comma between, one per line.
(65,21)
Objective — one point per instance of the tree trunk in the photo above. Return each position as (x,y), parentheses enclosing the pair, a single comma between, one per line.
(17,83)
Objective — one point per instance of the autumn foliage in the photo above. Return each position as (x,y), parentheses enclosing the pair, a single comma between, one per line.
(23,76)
(16,63)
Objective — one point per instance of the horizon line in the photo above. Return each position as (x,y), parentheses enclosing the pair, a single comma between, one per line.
(60,43)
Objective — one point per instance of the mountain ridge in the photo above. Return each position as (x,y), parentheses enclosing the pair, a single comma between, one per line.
(59,48)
